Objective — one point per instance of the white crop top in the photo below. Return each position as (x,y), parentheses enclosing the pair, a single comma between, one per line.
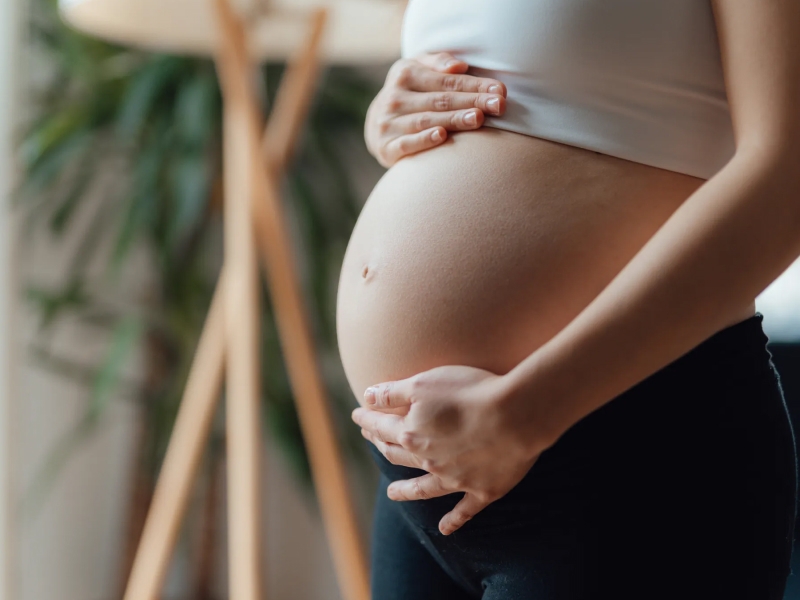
(636,79)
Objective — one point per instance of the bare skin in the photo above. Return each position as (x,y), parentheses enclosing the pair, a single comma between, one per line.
(617,270)
(480,250)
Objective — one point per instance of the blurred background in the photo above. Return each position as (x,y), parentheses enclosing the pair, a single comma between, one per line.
(110,245)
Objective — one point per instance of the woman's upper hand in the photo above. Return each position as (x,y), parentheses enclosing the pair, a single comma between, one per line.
(422,99)
(464,425)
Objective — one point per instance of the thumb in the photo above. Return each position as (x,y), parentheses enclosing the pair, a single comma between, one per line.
(390,394)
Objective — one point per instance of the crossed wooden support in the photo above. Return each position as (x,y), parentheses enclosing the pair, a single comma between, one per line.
(254,224)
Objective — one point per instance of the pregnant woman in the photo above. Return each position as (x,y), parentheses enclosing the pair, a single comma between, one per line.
(546,308)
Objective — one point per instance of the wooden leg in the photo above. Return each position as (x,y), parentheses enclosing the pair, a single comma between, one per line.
(293,98)
(275,244)
(191,428)
(183,455)
(241,169)
(327,467)
(328,470)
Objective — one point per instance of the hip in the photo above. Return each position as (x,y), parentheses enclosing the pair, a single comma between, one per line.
(707,434)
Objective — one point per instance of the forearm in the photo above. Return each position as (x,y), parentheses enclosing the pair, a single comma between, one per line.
(715,254)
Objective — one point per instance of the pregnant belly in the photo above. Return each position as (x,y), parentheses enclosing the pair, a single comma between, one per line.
(479,251)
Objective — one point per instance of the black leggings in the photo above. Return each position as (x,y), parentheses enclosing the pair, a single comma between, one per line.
(682,487)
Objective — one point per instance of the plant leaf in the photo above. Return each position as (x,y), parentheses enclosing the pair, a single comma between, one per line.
(123,341)
(142,94)
(197,108)
(190,184)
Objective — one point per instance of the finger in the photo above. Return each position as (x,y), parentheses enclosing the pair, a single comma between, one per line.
(408,103)
(425,80)
(454,120)
(397,455)
(412,143)
(468,507)
(420,488)
(392,394)
(442,61)
(384,427)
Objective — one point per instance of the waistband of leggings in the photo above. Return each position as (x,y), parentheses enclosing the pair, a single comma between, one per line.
(745,338)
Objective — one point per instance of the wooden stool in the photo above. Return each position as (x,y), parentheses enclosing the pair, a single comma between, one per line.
(254,224)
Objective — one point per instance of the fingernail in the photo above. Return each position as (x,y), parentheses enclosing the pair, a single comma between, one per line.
(390,491)
(493,105)
(369,395)
(451,63)
(471,118)
(495,89)
(436,136)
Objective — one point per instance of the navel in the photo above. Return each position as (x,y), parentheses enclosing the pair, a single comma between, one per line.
(368,272)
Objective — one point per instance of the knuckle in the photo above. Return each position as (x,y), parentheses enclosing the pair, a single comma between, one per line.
(451,83)
(406,439)
(419,491)
(393,101)
(404,74)
(383,125)
(461,515)
(397,65)
(442,101)
(403,145)
(484,496)
(384,399)
(421,122)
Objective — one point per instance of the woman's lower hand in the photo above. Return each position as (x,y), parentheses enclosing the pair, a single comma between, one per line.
(462,427)
(422,99)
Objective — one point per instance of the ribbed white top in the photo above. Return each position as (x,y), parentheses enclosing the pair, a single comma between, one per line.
(637,79)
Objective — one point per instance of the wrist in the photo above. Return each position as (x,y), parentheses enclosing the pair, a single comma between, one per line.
(534,406)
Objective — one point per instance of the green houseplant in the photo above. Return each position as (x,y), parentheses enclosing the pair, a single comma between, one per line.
(153,123)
